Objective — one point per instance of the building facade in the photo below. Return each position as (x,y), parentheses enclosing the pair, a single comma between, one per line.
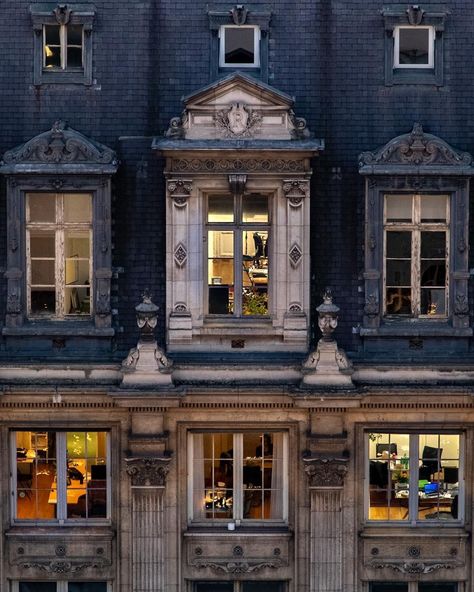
(236,305)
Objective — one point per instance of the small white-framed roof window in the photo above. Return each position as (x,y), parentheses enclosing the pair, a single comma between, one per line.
(239,46)
(413,47)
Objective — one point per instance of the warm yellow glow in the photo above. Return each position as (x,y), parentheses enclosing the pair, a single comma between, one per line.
(48,51)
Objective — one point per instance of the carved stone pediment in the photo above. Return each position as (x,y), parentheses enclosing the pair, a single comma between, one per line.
(148,471)
(324,471)
(238,107)
(63,146)
(415,149)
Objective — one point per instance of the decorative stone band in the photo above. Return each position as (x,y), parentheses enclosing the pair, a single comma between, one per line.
(63,566)
(148,472)
(414,567)
(235,567)
(323,471)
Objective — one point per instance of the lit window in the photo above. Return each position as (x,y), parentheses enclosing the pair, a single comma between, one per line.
(59,256)
(63,46)
(414,47)
(238,264)
(60,475)
(238,476)
(414,478)
(239,46)
(416,248)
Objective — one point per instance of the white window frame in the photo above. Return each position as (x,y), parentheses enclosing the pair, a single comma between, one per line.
(416,227)
(238,479)
(396,51)
(256,43)
(63,34)
(412,518)
(61,478)
(61,586)
(59,227)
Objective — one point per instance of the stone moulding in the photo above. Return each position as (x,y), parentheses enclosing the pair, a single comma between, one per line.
(147,471)
(323,471)
(231,566)
(414,567)
(416,148)
(229,165)
(60,145)
(63,566)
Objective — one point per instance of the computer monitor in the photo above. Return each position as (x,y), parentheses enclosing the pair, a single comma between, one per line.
(390,448)
(98,472)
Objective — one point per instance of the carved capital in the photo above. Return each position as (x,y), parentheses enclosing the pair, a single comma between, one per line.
(372,308)
(325,471)
(148,472)
(179,190)
(295,190)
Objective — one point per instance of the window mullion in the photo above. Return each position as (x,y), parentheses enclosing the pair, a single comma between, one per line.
(415,271)
(61,473)
(238,271)
(238,477)
(63,38)
(413,478)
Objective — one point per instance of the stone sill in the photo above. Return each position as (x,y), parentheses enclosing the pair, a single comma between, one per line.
(38,530)
(269,530)
(58,329)
(444,530)
(416,328)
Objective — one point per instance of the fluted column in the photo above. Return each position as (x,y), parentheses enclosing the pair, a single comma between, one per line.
(326,480)
(148,483)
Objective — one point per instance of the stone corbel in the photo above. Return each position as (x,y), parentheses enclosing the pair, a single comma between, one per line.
(237,184)
(295,190)
(148,471)
(326,471)
(179,190)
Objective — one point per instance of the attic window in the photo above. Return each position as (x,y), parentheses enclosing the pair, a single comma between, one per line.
(239,46)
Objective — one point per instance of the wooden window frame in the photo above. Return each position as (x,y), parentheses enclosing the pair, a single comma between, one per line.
(63,37)
(256,47)
(431,48)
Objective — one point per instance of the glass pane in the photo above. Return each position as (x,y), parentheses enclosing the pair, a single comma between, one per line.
(42,272)
(77,301)
(87,587)
(43,301)
(255,208)
(261,586)
(213,477)
(36,475)
(52,46)
(398,301)
(398,208)
(388,587)
(42,244)
(414,45)
(37,587)
(220,208)
(434,587)
(389,470)
(86,474)
(213,587)
(239,45)
(433,273)
(255,268)
(433,245)
(74,35)
(398,273)
(41,207)
(221,271)
(398,244)
(77,207)
(433,302)
(74,57)
(434,208)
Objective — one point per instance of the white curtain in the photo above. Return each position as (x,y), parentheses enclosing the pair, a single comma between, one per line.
(276,507)
(198,476)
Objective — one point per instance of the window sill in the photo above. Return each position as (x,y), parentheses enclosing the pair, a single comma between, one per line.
(260,528)
(416,328)
(98,528)
(58,329)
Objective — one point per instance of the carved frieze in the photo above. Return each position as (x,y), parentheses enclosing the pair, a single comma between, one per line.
(229,165)
(147,471)
(414,567)
(416,148)
(323,471)
(60,145)
(236,567)
(295,190)
(64,566)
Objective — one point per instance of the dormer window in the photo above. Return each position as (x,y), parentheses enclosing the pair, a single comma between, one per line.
(63,47)
(414,47)
(239,46)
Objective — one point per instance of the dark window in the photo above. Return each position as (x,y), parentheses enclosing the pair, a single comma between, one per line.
(414,46)
(37,587)
(239,45)
(87,587)
(388,587)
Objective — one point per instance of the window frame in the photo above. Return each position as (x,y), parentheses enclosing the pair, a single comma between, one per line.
(416,227)
(238,491)
(431,47)
(61,471)
(412,520)
(413,586)
(238,227)
(63,46)
(61,585)
(80,14)
(256,47)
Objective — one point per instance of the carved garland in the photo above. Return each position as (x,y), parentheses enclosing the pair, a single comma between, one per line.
(229,566)
(228,165)
(325,472)
(60,566)
(414,567)
(148,472)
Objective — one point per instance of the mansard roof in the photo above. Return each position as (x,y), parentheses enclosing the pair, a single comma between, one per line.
(60,150)
(416,153)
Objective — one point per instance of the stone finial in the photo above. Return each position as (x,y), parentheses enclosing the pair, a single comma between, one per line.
(147,318)
(328,316)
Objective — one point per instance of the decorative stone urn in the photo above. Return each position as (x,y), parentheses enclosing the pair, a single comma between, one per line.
(327,365)
(147,363)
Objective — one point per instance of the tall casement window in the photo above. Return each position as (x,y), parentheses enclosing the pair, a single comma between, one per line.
(240,476)
(238,586)
(416,243)
(238,248)
(59,254)
(414,45)
(416,233)
(239,46)
(62,43)
(59,239)
(414,478)
(60,586)
(60,476)
(413,587)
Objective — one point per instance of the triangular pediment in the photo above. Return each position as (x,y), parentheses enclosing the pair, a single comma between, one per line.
(238,107)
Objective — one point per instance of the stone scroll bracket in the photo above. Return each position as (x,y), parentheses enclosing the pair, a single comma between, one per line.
(148,471)
(326,471)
